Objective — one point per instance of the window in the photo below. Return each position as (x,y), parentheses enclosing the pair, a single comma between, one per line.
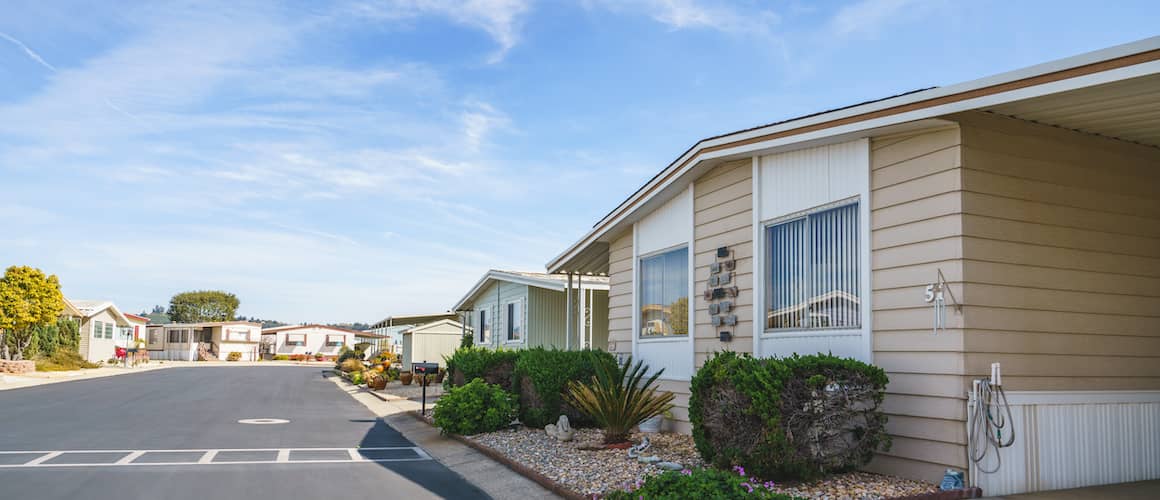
(813,270)
(664,294)
(334,341)
(155,335)
(296,339)
(238,335)
(484,328)
(515,322)
(98,329)
(108,330)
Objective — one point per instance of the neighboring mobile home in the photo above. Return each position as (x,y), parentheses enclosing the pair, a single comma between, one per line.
(103,328)
(515,310)
(393,327)
(307,339)
(1030,201)
(429,343)
(203,341)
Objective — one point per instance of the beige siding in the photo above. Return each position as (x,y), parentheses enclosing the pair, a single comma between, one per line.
(723,216)
(620,294)
(916,212)
(1061,239)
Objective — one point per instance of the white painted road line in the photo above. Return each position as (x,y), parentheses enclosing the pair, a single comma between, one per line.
(208,457)
(40,460)
(128,459)
(356,455)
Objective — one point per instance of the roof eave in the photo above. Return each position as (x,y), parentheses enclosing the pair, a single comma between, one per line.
(1123,61)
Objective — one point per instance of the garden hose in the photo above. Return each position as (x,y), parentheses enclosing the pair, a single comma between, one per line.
(989,429)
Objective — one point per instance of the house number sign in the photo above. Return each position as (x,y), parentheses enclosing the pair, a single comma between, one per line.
(721,294)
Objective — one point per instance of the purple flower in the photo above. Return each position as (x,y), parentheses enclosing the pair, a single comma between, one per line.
(686,472)
(769,485)
(739,470)
(748,487)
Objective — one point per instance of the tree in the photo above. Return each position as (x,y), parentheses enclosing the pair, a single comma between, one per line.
(28,298)
(202,305)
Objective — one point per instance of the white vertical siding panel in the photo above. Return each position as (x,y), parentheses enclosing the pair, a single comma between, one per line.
(1072,445)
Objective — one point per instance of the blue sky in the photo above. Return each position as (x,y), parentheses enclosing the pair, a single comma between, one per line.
(347,160)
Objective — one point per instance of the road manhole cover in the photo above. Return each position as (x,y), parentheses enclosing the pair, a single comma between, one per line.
(263,421)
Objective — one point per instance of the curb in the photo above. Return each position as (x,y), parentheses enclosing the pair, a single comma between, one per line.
(516,467)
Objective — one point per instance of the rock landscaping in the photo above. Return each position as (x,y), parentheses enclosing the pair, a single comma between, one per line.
(799,424)
(583,466)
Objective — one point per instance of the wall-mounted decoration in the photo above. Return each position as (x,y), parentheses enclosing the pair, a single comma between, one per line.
(721,275)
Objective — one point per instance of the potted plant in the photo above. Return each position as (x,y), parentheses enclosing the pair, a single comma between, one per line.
(319,357)
(439,376)
(406,377)
(377,382)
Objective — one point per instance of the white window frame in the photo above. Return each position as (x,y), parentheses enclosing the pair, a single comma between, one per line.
(98,329)
(767,258)
(523,321)
(488,315)
(639,284)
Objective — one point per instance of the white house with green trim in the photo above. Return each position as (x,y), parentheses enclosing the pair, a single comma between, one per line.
(517,310)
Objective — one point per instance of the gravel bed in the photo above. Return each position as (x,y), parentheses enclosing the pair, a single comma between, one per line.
(587,471)
(413,391)
(591,472)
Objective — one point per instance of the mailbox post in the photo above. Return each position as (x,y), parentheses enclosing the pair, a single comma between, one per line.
(423,369)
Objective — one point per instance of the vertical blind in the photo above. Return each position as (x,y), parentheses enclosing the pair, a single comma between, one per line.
(813,269)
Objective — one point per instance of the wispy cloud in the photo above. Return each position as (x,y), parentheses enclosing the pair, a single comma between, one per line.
(868,17)
(500,19)
(28,51)
(720,16)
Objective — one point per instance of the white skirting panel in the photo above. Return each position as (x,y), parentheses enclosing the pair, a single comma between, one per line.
(1071,439)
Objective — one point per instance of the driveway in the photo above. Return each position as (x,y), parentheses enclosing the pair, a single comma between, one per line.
(175,434)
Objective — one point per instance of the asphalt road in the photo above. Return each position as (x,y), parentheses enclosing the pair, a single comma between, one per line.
(198,409)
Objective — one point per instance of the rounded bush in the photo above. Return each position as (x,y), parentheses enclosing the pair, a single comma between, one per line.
(800,417)
(474,408)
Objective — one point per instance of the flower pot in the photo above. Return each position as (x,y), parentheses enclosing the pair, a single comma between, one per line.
(377,383)
(406,378)
(652,425)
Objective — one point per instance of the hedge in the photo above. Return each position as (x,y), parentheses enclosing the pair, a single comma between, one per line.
(494,366)
(800,417)
(543,377)
(539,376)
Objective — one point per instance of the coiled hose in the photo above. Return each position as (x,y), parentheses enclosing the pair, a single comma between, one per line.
(988,427)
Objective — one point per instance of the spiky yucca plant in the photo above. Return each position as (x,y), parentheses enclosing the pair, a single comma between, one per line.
(619,397)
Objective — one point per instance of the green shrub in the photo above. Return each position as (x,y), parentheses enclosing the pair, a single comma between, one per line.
(711,484)
(63,360)
(494,366)
(543,377)
(281,357)
(794,418)
(234,356)
(619,397)
(474,408)
(356,378)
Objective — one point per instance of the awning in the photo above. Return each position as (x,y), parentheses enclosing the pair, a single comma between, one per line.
(296,337)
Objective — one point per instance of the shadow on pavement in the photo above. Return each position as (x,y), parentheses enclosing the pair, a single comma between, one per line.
(429,474)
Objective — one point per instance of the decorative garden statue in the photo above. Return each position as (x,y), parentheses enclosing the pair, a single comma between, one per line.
(561,430)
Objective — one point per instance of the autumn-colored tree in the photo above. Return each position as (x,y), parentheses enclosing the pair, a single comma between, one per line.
(28,298)
(202,305)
